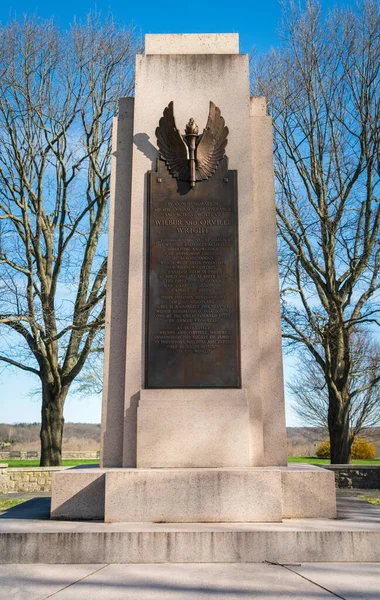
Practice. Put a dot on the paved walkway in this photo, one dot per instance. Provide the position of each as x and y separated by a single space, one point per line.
358 492
314 581
317 581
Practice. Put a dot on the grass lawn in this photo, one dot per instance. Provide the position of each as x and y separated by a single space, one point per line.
36 463
371 499
325 461
5 504
95 461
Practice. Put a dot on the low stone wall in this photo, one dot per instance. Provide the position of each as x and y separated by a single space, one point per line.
81 454
356 476
74 454
36 479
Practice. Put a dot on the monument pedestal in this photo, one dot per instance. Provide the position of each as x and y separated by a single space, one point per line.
229 495
193 420
193 294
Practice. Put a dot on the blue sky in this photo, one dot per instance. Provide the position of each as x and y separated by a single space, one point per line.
255 22
257 25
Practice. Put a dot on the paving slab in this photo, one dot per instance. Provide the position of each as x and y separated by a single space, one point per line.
158 582
351 582
37 582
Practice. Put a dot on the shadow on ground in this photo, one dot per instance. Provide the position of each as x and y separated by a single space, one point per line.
35 508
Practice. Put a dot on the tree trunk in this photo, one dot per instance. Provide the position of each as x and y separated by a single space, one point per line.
339 429
51 426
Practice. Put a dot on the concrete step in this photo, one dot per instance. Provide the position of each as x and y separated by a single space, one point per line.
28 536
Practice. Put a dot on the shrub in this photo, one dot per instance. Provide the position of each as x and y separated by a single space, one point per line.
361 449
323 449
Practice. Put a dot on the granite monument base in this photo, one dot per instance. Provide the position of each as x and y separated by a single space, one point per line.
209 495
190 428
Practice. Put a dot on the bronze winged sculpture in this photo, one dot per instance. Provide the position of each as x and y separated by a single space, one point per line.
192 157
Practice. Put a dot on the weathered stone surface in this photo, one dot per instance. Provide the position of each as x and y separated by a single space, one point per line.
187 428
189 495
267 307
308 492
192 495
113 425
78 494
192 43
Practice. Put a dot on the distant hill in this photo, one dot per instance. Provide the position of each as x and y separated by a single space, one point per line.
26 436
302 441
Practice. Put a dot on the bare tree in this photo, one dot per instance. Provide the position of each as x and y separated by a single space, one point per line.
310 394
323 88
58 94
90 379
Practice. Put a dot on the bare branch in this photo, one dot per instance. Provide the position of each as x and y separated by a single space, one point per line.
15 363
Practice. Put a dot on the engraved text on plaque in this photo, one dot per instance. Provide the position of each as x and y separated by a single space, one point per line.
192 309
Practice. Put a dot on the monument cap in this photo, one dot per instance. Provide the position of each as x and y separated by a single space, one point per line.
192 43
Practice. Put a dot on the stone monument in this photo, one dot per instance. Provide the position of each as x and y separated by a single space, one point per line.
193 422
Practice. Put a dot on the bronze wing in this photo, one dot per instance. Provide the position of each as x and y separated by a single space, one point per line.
212 145
172 147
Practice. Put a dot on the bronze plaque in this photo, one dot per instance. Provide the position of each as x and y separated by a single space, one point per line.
192 307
